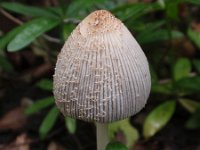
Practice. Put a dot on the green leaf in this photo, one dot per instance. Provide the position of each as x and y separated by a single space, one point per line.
9 36
190 105
194 36
48 122
129 131
70 124
132 11
189 84
81 8
38 105
182 68
30 32
135 10
116 146
56 10
5 64
196 2
28 10
165 89
158 35
194 121
196 63
154 78
45 84
158 118
67 29
129 13
172 9
151 26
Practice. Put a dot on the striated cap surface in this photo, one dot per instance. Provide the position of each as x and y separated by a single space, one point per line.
101 73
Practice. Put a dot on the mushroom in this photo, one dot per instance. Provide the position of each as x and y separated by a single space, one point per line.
101 74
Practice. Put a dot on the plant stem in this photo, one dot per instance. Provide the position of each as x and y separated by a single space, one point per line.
12 18
102 136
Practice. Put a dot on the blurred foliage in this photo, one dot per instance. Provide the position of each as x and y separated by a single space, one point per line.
48 121
168 31
116 146
194 121
70 124
129 132
158 118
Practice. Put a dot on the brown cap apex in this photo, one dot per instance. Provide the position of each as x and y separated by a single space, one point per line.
100 21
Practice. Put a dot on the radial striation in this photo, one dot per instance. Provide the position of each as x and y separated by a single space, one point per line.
101 73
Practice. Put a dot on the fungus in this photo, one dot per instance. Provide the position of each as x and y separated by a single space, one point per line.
101 74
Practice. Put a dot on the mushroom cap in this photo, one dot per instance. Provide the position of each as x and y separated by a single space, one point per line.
101 72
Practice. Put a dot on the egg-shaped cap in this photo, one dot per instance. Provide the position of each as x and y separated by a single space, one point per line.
101 73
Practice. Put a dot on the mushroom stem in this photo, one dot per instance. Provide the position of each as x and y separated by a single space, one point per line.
102 136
